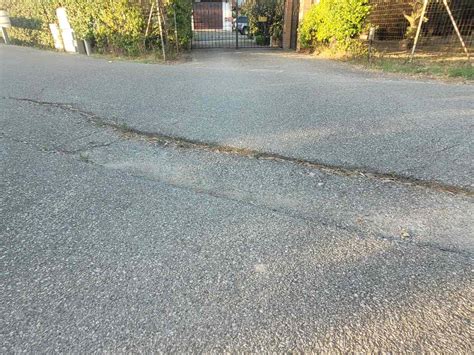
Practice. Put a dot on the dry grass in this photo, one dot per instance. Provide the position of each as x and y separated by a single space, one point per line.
152 57
423 64
434 61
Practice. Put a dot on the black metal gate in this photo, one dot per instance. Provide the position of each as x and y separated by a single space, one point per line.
225 24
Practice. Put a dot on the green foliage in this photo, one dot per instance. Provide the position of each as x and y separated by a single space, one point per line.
119 27
433 67
273 10
25 13
22 22
334 22
260 40
183 9
466 72
308 27
81 15
114 26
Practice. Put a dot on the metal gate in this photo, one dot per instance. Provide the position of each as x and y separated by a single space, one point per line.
225 24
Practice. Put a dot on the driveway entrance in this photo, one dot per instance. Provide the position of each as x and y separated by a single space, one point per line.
228 24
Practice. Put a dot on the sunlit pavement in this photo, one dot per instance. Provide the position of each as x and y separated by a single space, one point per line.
242 201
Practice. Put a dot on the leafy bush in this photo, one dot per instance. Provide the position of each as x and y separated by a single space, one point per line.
23 14
83 15
119 28
273 10
183 9
337 22
261 40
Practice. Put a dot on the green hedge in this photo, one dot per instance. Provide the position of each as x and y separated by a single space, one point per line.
114 26
335 22
25 12
273 10
183 9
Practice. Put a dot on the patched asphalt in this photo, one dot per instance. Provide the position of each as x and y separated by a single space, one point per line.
271 101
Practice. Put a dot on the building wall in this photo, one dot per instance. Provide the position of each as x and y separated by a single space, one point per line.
227 15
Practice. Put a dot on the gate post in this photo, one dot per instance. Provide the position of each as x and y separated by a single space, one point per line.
236 24
287 24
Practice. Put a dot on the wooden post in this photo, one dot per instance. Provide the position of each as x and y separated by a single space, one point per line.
5 35
418 30
163 50
149 19
456 29
175 29
371 37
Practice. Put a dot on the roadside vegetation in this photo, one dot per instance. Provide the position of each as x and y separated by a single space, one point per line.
338 29
335 26
269 31
442 68
118 27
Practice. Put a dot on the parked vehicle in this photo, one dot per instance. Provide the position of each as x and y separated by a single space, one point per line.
243 25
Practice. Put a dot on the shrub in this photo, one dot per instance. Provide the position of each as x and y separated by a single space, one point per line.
337 22
183 9
260 40
25 13
271 9
82 15
308 28
119 27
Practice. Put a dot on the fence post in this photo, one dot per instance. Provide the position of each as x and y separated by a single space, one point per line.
149 20
456 29
175 28
236 24
371 38
4 24
418 30
6 39
163 50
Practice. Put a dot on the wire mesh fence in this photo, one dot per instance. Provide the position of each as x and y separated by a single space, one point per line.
446 27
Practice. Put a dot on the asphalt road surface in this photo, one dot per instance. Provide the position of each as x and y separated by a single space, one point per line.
241 201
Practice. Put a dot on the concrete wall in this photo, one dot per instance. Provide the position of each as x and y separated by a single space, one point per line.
227 16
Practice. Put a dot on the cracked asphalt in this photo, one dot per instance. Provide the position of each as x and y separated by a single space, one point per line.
125 242
270 101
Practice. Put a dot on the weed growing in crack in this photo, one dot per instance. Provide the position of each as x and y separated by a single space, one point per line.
124 127
84 156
